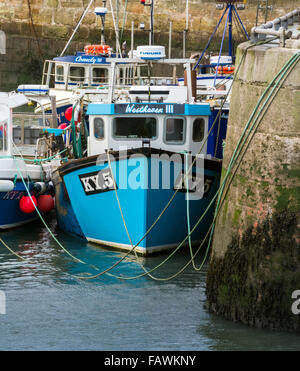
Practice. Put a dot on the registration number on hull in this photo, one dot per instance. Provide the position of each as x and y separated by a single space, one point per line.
97 182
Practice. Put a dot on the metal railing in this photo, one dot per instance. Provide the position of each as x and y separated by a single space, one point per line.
284 27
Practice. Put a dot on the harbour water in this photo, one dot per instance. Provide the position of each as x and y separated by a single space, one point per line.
47 308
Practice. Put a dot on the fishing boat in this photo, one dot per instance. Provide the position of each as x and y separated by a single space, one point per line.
87 68
139 146
23 180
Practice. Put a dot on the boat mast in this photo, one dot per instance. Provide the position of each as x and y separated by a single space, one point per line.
77 27
102 12
151 31
230 47
186 27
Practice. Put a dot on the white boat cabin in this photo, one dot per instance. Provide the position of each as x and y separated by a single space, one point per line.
171 127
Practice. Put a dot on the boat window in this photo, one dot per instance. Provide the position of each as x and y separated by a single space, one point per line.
28 136
59 73
134 127
100 75
76 74
99 128
198 129
3 137
175 130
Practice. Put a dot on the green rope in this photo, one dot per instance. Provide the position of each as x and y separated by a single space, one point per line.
280 76
211 203
291 63
36 160
9 249
42 219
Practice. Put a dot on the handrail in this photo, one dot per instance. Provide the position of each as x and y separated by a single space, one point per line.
278 27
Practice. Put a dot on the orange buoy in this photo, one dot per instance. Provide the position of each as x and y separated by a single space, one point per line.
45 203
225 70
96 49
26 204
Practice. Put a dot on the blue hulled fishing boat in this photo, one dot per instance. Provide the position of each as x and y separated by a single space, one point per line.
149 173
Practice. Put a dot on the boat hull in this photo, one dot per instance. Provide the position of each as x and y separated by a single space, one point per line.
11 215
65 216
121 217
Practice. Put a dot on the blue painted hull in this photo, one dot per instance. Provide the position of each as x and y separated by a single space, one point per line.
218 133
100 216
65 216
10 213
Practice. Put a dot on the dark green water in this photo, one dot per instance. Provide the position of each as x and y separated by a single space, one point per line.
48 309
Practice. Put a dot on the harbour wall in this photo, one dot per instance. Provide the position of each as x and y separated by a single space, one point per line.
39 29
255 262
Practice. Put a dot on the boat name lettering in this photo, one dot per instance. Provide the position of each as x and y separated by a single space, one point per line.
13 195
143 109
195 182
97 182
149 108
91 60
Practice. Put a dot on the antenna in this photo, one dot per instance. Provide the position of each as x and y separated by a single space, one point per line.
230 7
101 12
151 31
186 26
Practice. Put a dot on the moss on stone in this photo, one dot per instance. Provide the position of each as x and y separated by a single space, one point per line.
254 281
287 197
236 216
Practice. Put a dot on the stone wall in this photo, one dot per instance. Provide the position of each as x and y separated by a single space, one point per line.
255 263
39 29
55 18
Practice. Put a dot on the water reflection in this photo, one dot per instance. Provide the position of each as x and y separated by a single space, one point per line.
49 308
42 256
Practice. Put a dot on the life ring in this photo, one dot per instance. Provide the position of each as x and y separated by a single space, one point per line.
96 49
225 70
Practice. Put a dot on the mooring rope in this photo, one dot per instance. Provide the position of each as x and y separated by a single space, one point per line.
9 249
99 274
286 69
221 188
281 76
40 216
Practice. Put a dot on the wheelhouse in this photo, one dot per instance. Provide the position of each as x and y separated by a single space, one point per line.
171 127
68 73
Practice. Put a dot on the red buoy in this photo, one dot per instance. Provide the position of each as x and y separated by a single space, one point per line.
45 203
26 204
68 113
62 126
